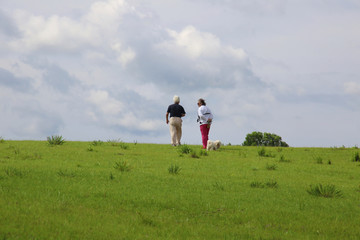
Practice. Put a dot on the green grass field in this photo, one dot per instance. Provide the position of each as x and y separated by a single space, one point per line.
115 190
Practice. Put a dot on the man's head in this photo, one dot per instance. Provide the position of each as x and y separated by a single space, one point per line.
176 99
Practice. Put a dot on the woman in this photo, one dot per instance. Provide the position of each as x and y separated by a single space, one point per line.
205 118
176 112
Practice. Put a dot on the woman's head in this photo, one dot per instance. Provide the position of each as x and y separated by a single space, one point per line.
176 99
201 102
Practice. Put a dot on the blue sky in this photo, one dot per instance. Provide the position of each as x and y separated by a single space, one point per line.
108 69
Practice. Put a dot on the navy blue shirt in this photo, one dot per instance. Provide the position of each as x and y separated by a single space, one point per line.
176 110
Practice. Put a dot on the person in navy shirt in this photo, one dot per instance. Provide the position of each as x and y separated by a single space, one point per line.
176 112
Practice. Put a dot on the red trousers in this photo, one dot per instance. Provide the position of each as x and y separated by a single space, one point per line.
204 129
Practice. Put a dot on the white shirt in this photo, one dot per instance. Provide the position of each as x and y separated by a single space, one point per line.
204 114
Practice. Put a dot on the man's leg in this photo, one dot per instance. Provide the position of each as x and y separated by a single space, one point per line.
179 132
172 126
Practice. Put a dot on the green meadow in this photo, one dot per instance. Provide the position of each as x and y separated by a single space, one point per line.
117 190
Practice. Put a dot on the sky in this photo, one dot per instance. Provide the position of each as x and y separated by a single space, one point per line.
108 69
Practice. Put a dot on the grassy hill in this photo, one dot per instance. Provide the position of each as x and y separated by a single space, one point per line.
116 190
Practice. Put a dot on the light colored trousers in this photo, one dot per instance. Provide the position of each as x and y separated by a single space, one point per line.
175 124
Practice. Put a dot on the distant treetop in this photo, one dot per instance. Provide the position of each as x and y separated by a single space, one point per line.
264 139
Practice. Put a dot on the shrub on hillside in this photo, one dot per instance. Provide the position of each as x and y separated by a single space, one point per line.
97 142
262 153
122 166
356 157
264 139
56 140
327 191
184 149
174 169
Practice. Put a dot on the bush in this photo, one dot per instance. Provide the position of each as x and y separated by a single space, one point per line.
319 160
11 171
123 145
194 155
62 173
56 140
218 186
174 169
90 148
114 142
184 149
122 166
257 184
326 191
262 153
283 159
356 157
112 177
97 142
271 184
264 139
203 153
271 166
268 184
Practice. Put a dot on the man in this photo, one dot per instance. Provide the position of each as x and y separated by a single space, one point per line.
176 112
205 118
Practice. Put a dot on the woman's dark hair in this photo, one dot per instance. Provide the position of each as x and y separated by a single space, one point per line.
202 101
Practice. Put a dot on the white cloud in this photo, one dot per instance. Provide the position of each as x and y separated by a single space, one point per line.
253 7
352 88
124 56
118 114
148 91
61 33
105 14
25 117
106 104
131 121
57 33
197 44
194 59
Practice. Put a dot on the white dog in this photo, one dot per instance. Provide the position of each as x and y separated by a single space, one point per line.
213 145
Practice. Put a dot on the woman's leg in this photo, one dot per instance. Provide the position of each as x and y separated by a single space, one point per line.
204 134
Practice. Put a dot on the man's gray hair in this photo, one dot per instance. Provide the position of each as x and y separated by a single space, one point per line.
176 99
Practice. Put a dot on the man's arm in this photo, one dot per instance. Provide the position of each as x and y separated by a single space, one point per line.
167 117
182 111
